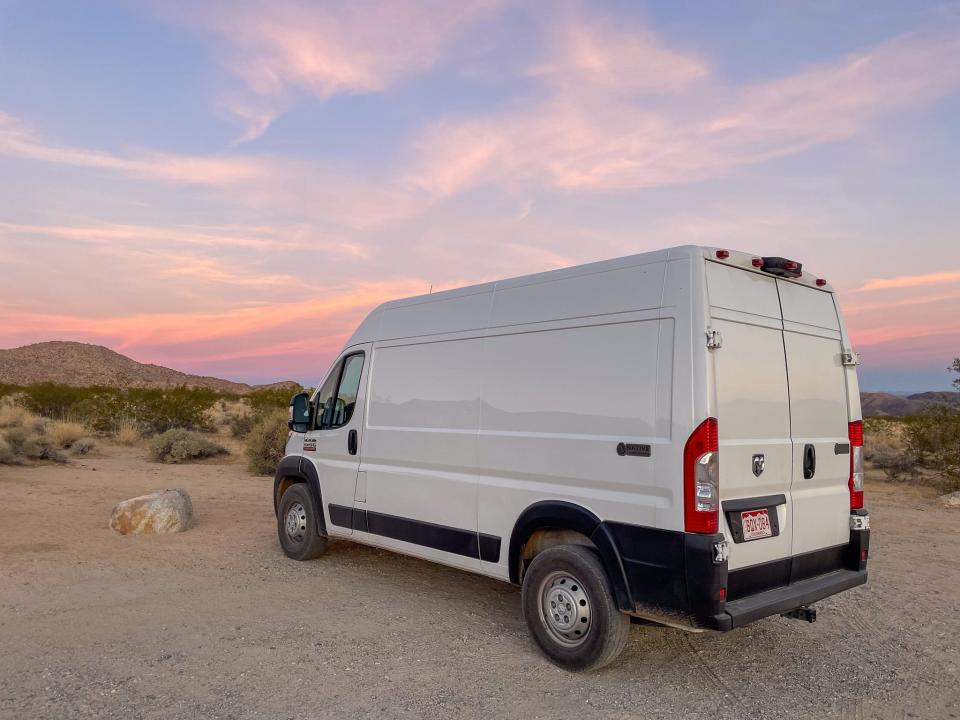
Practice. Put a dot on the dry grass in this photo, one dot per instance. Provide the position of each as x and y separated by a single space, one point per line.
64 433
13 415
128 433
226 415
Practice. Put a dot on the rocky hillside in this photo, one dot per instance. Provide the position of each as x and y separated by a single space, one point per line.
73 363
878 404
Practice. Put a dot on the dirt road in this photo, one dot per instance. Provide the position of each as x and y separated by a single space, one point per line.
217 623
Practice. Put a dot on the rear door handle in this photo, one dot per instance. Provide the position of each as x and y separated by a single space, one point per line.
352 442
809 461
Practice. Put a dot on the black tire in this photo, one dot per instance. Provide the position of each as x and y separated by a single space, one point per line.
299 541
575 574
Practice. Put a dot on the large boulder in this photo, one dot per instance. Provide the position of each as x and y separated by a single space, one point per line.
951 500
166 511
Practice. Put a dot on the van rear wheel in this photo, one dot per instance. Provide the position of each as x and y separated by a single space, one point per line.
297 525
570 610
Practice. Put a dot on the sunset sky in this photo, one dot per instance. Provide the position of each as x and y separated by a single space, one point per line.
226 188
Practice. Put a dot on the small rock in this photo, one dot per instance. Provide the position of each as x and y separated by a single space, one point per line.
166 511
951 500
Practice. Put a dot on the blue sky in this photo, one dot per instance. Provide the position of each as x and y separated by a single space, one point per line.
227 188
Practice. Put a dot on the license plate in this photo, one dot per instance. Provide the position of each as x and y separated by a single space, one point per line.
755 524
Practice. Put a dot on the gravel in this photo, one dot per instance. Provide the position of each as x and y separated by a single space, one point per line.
217 623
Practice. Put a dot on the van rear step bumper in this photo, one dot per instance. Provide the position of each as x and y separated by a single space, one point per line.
783 599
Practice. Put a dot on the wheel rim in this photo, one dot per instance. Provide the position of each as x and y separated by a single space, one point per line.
565 608
296 522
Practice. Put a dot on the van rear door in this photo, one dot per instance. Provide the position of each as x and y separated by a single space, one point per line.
819 416
753 412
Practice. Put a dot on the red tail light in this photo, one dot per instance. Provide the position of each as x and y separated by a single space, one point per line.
856 465
701 479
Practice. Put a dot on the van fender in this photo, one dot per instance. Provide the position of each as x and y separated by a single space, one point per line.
561 515
295 468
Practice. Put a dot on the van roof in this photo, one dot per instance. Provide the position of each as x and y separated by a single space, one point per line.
732 257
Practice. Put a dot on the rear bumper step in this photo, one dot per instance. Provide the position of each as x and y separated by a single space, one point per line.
783 599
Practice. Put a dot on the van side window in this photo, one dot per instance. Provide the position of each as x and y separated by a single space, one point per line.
338 396
347 394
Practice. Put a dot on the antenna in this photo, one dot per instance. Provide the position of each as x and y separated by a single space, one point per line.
431 289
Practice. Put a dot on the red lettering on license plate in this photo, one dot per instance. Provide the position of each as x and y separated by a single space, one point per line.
755 524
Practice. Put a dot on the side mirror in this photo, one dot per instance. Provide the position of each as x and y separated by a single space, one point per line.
299 420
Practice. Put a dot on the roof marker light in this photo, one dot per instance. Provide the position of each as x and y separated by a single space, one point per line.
821 282
757 262
723 254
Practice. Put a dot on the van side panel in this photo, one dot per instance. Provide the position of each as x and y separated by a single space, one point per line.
557 403
419 451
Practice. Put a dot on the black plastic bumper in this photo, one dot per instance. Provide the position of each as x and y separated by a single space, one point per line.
673 577
740 612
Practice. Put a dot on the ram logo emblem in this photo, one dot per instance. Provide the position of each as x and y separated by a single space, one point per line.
759 462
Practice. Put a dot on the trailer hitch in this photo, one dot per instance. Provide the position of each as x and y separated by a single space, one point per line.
801 613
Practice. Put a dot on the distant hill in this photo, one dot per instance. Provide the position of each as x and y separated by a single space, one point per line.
73 363
878 404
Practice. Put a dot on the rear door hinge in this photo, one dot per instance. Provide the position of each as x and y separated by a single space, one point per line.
850 359
714 339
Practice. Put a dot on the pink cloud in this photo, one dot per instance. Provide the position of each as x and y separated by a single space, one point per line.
281 47
585 52
596 128
910 281
18 141
335 312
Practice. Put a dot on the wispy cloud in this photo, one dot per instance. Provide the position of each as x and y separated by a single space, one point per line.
336 308
17 140
597 126
911 281
279 48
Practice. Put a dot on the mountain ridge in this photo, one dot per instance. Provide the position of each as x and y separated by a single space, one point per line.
85 364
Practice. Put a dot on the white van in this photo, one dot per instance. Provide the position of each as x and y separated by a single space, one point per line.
674 436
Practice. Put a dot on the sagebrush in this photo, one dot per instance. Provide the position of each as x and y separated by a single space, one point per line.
23 436
180 446
266 442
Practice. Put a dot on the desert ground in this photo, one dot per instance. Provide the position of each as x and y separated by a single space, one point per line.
217 623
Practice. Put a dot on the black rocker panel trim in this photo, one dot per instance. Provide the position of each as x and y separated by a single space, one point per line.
303 471
439 537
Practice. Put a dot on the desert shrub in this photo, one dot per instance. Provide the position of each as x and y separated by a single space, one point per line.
230 416
179 445
127 432
64 433
241 425
155 410
7 456
158 410
933 441
266 442
14 415
82 446
26 443
266 399
6 389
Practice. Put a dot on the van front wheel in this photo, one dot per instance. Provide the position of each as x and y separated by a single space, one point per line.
297 525
570 610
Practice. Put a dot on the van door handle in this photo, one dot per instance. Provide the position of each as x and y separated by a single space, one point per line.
352 442
809 461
